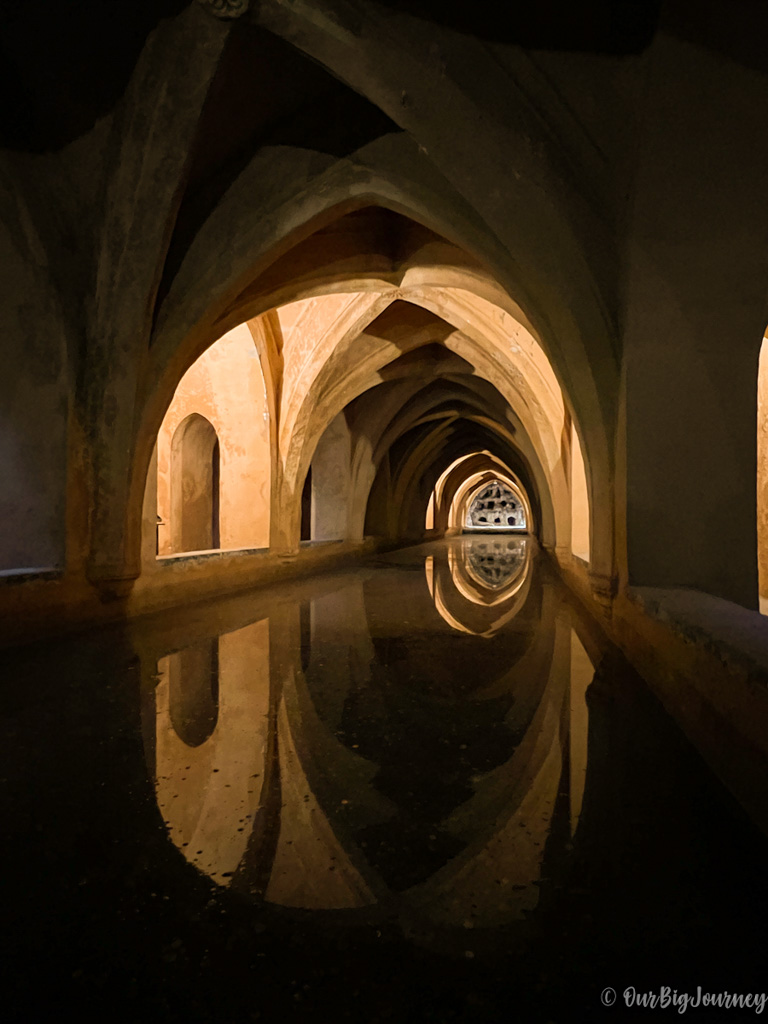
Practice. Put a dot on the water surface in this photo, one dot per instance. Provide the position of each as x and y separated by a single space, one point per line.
423 788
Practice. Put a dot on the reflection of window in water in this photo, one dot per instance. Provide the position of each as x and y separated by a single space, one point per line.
494 563
496 507
193 677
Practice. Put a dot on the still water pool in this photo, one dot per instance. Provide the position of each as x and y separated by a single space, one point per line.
424 788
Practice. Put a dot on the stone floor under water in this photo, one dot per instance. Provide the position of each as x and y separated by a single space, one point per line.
424 788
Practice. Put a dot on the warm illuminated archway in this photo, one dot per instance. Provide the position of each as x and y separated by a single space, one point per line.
475 485
373 384
465 478
226 389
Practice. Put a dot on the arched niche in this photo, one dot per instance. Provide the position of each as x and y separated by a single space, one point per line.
306 507
195 473
226 388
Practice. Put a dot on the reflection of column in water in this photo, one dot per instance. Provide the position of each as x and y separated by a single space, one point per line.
287 626
341 650
311 868
326 788
506 823
429 569
582 673
208 794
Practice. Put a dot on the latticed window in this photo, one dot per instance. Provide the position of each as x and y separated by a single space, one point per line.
496 507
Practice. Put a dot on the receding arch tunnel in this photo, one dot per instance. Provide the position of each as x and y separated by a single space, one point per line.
423 356
377 380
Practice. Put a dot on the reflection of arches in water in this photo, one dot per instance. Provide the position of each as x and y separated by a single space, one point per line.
211 797
496 507
317 864
210 792
482 584
471 584
517 812
503 827
193 679
494 564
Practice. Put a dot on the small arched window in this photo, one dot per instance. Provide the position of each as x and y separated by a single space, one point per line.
306 507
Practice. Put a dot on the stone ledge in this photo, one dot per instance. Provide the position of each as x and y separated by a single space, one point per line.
55 604
9 577
735 636
706 659
205 556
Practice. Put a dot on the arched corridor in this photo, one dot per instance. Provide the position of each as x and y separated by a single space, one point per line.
384 520
375 396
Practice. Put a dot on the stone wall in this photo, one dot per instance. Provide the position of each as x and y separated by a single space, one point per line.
226 387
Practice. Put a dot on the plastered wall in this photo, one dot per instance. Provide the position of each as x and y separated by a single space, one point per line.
226 386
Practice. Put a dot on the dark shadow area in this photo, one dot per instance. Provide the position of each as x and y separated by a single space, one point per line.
738 36
265 93
306 507
594 26
64 65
